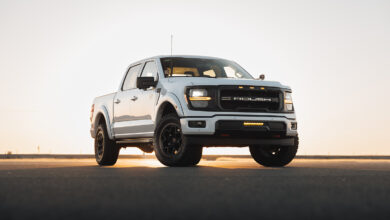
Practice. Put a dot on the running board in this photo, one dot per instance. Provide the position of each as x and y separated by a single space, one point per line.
135 141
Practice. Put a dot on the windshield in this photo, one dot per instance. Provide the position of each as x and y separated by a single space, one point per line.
197 67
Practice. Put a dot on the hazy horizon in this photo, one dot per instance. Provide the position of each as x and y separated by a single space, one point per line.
56 56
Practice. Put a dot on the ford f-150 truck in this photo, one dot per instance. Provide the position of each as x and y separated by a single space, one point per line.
176 105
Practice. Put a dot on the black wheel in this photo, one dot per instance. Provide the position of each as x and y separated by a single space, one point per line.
106 151
171 146
274 156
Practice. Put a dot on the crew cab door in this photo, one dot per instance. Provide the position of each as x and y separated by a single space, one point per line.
123 101
144 107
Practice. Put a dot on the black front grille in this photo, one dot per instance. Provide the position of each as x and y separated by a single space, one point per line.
250 99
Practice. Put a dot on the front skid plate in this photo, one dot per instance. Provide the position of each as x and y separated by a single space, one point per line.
206 140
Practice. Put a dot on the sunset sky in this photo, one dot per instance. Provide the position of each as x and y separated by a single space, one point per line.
56 56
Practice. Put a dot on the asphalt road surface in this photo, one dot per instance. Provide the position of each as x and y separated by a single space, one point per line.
226 188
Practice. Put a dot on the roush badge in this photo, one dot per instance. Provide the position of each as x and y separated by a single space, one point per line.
248 99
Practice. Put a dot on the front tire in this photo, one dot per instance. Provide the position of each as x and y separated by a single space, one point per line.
274 156
106 151
171 146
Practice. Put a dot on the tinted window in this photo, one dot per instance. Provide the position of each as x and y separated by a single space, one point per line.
131 78
150 70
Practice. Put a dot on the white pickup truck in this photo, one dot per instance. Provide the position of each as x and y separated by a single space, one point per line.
176 105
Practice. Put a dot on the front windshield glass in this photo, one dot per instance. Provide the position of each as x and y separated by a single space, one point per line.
198 67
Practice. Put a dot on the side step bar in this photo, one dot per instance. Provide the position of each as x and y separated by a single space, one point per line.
144 144
135 142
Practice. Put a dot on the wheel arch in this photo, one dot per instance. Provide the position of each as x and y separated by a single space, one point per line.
164 109
103 116
169 104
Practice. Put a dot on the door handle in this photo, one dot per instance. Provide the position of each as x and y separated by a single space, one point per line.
134 98
117 101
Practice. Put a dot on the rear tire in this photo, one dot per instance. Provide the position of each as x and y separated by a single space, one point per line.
171 146
274 156
106 151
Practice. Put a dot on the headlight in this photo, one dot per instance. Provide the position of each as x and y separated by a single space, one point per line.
288 103
199 98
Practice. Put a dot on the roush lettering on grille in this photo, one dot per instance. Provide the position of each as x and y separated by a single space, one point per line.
248 99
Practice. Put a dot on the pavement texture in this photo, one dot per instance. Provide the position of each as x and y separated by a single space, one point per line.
222 188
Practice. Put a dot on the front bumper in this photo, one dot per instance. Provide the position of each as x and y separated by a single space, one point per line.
225 130
210 127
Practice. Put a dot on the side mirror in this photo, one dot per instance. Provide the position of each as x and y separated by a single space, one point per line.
145 82
262 77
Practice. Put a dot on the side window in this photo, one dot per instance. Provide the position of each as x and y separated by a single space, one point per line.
131 77
150 70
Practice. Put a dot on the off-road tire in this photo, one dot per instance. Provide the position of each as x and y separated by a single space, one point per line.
185 155
106 151
271 156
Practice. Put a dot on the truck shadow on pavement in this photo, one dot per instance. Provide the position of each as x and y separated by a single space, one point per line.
203 192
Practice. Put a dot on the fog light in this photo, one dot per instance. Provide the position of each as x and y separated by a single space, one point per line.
294 126
197 124
289 107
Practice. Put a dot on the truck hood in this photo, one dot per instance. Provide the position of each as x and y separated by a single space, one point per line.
189 81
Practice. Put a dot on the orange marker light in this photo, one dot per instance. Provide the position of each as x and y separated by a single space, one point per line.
92 110
200 98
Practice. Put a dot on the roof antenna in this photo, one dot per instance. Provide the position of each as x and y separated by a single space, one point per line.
171 43
171 73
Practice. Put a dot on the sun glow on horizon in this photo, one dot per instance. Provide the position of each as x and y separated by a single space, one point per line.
56 58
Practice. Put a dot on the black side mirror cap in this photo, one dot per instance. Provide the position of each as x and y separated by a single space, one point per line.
145 82
262 77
